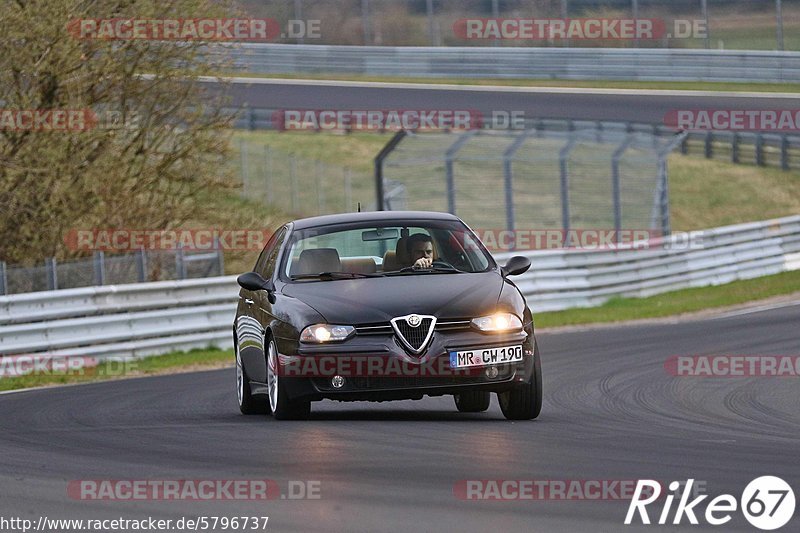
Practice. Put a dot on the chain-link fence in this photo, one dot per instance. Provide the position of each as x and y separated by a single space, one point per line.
301 186
730 24
108 269
542 179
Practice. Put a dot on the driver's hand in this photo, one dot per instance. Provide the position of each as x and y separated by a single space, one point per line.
423 262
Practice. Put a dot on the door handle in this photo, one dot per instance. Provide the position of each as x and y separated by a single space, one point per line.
248 301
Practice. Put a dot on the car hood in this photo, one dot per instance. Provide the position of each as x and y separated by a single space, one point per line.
361 301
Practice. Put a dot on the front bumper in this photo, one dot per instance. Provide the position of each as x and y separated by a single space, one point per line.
378 368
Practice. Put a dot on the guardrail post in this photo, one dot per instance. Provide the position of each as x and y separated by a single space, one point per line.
251 118
685 145
709 145
320 192
784 152
141 265
735 148
3 279
99 268
52 274
760 149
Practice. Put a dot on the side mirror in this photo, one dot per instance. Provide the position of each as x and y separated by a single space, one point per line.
252 281
516 266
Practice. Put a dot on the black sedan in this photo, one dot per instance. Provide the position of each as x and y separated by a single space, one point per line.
383 306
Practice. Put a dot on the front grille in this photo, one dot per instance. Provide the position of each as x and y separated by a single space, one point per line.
414 336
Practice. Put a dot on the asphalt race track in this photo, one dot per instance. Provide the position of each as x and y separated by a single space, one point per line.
583 104
611 412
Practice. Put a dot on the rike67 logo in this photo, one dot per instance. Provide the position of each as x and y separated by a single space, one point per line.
767 503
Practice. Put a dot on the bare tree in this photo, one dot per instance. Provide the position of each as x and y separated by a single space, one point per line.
151 146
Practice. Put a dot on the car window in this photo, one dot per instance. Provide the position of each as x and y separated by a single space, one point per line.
382 248
268 248
268 267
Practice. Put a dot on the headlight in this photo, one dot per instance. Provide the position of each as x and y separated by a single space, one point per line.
498 322
319 333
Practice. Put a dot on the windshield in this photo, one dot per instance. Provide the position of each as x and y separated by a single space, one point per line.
418 248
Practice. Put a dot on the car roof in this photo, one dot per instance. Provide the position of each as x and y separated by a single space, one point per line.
370 216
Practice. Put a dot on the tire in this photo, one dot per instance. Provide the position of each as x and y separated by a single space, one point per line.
472 401
281 406
248 404
524 402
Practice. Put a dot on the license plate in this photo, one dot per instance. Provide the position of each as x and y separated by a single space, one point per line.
485 357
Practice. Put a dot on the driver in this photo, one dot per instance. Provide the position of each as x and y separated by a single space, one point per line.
420 250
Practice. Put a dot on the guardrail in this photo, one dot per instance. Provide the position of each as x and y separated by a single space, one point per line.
521 62
150 318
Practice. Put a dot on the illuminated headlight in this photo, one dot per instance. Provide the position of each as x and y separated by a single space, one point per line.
498 322
326 333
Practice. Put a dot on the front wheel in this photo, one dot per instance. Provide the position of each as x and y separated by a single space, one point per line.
282 407
248 404
524 402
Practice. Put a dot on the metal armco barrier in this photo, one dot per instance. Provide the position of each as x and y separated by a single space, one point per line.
521 62
150 318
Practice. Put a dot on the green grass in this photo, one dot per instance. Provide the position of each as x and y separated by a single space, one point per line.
673 303
581 84
198 359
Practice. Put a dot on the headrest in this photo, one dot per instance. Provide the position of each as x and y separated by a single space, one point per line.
319 260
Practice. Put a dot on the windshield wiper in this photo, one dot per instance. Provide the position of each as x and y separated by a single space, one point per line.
431 270
328 276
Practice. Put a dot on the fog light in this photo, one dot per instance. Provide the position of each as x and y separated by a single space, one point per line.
337 382
492 372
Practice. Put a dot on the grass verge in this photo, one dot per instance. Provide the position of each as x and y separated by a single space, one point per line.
162 364
577 84
675 302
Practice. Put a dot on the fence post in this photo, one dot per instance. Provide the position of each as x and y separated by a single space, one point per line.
508 176
704 9
3 279
709 145
298 15
617 194
564 171
635 12
141 265
52 274
220 257
365 25
293 182
382 155
180 266
320 189
759 149
348 191
495 15
99 268
268 172
735 148
784 152
431 32
448 165
244 170
779 24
